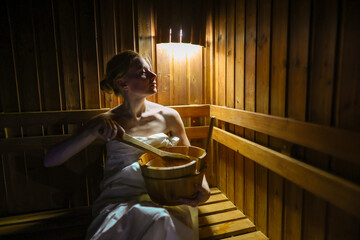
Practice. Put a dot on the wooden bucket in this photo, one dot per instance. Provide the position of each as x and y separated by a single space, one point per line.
168 191
153 166
166 185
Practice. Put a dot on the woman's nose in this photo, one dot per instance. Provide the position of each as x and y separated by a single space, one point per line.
151 74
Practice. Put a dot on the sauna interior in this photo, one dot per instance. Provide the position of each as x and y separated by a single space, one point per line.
282 78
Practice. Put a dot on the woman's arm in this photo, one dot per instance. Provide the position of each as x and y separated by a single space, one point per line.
178 129
99 127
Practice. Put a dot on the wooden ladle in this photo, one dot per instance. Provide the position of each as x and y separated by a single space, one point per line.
166 156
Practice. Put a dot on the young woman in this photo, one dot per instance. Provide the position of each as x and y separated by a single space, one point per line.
124 210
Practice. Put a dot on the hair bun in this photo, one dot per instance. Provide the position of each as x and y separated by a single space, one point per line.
106 86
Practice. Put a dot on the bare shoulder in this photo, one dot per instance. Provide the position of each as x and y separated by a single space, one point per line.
167 112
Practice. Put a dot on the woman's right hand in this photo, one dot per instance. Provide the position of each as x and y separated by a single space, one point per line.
100 127
106 128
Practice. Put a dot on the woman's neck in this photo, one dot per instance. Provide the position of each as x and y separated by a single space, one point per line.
134 107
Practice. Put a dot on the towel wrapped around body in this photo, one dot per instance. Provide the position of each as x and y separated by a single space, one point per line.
124 210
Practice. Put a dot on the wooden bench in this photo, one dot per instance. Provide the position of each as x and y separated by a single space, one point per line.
218 218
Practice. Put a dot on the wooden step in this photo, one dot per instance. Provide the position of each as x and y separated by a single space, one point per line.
249 236
216 208
46 223
216 198
226 229
219 218
214 190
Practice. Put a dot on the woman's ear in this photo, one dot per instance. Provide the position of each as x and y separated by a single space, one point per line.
121 84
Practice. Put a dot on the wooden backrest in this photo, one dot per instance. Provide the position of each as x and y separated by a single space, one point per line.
335 142
27 186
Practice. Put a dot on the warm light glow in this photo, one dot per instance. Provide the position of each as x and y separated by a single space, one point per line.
181 50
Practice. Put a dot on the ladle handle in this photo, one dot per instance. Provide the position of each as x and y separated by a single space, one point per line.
148 148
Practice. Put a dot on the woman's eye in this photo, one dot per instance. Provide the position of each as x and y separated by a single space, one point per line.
143 73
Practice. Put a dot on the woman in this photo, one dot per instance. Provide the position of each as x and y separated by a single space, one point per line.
123 209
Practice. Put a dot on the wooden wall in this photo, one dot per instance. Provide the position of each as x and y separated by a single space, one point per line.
293 59
54 54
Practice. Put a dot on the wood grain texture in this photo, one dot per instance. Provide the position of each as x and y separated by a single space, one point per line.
262 106
326 139
250 80
334 189
239 96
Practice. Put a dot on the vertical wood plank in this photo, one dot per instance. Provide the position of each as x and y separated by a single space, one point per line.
216 84
145 37
208 94
43 20
340 224
250 76
8 82
9 98
57 176
68 43
222 54
321 83
230 93
163 16
179 82
91 96
221 88
107 44
124 24
277 107
26 75
262 106
239 96
346 114
209 55
195 60
194 68
296 107
66 25
164 57
88 55
23 44
3 191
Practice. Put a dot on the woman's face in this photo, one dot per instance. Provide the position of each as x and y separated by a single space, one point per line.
139 79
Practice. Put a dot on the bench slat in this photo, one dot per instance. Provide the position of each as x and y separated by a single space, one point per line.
30 217
216 208
249 236
214 190
220 217
216 198
226 229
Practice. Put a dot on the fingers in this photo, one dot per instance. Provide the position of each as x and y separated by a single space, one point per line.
120 129
110 129
202 195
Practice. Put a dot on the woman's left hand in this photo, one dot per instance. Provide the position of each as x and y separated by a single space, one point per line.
202 195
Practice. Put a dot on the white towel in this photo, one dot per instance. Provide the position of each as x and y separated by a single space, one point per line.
125 211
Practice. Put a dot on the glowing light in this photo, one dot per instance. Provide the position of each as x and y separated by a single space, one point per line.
180 50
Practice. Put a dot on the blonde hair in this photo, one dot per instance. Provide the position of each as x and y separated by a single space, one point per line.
116 68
